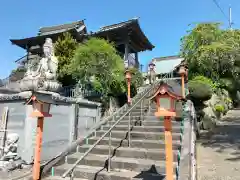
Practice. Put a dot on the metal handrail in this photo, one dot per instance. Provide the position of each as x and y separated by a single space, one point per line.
75 144
70 170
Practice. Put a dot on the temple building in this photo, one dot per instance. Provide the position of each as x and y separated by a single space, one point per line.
127 36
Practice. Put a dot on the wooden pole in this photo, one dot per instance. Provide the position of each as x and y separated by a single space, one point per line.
38 147
129 90
168 147
183 85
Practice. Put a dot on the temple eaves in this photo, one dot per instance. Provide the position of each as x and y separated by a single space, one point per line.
136 37
117 33
77 29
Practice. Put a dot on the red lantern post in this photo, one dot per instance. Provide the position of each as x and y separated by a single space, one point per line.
40 110
166 107
128 77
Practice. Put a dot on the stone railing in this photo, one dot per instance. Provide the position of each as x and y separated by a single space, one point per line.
75 91
187 153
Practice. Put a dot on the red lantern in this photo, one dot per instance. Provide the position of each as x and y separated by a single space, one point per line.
165 101
40 109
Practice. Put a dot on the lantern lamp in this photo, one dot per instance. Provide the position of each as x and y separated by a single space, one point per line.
183 72
151 66
128 74
165 101
40 109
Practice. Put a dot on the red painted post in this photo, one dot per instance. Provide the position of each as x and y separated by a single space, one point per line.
38 147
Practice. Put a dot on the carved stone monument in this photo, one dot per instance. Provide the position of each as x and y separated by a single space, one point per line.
44 77
10 159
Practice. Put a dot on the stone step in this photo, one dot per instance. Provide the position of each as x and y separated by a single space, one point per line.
98 173
151 144
139 135
147 122
130 164
134 113
142 128
146 116
153 117
127 152
59 177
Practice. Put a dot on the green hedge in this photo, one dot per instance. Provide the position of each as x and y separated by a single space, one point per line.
200 88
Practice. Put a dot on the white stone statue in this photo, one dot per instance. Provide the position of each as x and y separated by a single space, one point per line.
47 67
10 149
44 78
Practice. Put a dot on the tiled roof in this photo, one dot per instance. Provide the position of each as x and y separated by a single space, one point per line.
118 25
61 28
77 28
134 32
166 65
166 58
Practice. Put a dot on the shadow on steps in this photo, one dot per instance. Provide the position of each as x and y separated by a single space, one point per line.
151 174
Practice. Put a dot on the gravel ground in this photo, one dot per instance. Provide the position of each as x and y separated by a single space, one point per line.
218 153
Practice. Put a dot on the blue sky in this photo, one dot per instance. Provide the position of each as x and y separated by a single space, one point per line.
164 22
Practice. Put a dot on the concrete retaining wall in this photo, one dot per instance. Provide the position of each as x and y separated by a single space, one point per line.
57 129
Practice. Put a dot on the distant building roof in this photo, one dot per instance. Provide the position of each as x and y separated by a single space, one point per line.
166 64
78 25
77 29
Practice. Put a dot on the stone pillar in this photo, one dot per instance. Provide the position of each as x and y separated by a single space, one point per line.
30 133
98 114
73 117
126 51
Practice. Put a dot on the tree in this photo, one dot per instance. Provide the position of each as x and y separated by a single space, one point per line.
64 49
212 52
97 61
17 74
136 81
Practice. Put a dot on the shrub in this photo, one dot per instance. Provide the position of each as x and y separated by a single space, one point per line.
228 100
199 91
205 80
219 108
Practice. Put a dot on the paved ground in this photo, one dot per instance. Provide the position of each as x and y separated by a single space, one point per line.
219 152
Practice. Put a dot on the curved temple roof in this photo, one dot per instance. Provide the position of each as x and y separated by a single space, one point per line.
76 28
137 38
128 30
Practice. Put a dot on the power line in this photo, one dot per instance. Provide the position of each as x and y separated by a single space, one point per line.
229 18
219 7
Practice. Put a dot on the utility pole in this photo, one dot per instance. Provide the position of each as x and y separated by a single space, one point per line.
141 67
230 18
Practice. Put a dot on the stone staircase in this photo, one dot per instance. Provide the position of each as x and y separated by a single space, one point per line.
143 159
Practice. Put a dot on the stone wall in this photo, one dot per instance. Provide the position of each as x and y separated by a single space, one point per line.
210 116
56 131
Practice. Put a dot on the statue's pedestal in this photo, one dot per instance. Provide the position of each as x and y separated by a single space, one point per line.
39 84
